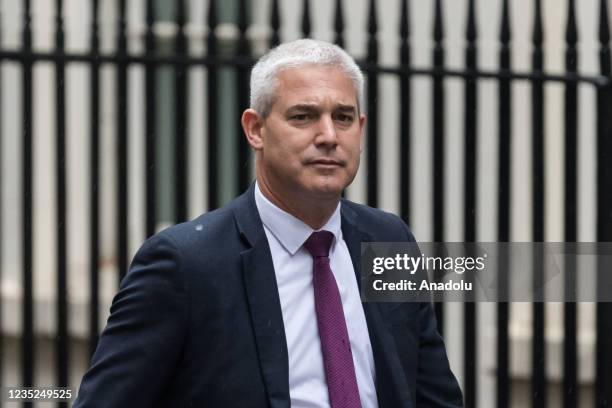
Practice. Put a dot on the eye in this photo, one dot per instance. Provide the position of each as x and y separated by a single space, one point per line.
301 117
344 118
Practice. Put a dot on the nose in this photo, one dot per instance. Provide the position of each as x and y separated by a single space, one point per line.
326 132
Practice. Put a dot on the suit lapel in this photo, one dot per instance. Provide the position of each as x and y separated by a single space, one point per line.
264 302
392 388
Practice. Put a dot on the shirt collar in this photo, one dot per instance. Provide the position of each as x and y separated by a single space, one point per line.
290 231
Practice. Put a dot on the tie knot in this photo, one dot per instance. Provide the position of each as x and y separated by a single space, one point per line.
318 243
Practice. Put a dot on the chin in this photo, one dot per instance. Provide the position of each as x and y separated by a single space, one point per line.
327 189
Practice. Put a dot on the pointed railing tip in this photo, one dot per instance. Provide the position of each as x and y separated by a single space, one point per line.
94 14
181 37
373 19
604 26
404 27
180 13
27 9
472 29
275 16
122 13
438 31
122 28
59 25
404 31
243 23
339 24
571 30
95 37
212 15
538 32
505 32
275 24
59 12
306 25
339 17
150 16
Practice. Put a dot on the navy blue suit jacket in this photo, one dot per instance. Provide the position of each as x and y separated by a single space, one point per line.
197 322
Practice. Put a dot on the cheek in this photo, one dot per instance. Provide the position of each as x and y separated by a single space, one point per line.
282 155
352 145
353 151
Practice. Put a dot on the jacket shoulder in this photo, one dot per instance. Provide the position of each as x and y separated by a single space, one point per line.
216 223
382 225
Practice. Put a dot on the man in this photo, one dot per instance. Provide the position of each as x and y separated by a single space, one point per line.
257 304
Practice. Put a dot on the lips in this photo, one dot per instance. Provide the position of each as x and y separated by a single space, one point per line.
325 162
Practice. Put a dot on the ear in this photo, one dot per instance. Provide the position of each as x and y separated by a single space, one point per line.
362 121
252 124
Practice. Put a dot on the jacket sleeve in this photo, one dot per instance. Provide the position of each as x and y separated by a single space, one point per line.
141 345
436 385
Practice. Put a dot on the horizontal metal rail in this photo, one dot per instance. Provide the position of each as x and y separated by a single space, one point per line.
241 61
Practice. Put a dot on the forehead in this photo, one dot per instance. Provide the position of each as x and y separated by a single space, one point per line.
314 84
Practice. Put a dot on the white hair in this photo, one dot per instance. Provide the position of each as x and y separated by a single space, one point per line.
295 54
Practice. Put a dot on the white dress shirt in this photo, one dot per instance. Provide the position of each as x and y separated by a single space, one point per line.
293 268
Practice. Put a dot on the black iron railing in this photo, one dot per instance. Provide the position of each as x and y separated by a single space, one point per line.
182 62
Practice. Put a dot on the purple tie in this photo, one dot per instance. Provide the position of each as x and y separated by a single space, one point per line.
335 344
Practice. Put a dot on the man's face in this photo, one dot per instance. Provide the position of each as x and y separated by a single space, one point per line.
311 140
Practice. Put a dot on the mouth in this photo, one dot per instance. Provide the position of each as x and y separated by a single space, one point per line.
325 163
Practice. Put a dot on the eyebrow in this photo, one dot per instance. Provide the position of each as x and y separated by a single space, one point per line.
315 108
347 108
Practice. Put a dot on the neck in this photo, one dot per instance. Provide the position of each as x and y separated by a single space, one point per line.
313 211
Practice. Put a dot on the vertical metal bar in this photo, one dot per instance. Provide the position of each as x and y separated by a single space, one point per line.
94 184
339 25
603 391
570 363
604 40
180 83
60 170
538 351
471 109
242 96
275 24
339 35
405 112
27 350
211 91
122 146
306 27
372 122
505 95
438 140
1 213
151 136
